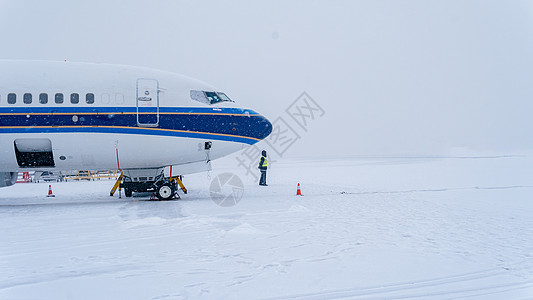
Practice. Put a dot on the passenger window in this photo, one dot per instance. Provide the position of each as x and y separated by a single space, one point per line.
43 98
106 98
59 98
89 98
26 98
119 99
11 98
74 98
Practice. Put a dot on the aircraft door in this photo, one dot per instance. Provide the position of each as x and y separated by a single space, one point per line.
147 102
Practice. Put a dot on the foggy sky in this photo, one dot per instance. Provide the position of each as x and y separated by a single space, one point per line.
393 77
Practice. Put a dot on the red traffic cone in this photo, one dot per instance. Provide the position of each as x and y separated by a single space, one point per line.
50 194
298 191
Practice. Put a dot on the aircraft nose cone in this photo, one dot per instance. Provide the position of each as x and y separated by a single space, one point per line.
263 127
252 126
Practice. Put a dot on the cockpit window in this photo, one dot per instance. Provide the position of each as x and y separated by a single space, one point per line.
212 97
224 97
209 97
199 96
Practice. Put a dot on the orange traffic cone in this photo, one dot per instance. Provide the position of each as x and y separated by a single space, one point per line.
50 194
298 191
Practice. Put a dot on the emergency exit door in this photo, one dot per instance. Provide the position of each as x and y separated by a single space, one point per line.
147 102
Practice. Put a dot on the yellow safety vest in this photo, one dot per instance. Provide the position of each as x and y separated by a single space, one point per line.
264 161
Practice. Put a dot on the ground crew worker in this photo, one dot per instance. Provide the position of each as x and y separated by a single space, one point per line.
263 168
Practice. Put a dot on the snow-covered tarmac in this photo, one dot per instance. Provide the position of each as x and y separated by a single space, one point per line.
366 228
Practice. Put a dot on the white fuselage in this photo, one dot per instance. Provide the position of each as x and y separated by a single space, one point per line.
79 116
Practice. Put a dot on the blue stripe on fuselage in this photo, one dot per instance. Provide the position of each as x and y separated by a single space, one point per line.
228 124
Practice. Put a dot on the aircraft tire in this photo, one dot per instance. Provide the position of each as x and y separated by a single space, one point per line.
128 192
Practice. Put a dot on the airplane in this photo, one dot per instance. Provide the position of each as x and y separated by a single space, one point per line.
59 116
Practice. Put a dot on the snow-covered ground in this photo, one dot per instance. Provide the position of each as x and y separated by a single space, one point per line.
368 228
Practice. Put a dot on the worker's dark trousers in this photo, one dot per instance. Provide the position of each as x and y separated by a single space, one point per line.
263 180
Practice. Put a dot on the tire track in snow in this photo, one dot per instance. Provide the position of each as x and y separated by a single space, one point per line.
436 190
448 287
49 277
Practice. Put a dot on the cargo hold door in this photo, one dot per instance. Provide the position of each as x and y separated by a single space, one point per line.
147 102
